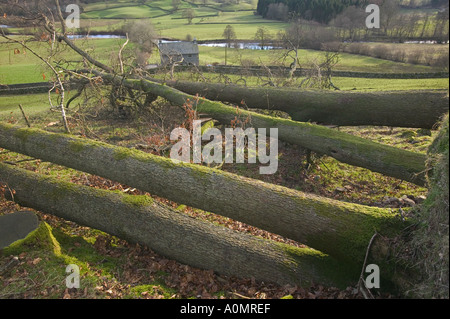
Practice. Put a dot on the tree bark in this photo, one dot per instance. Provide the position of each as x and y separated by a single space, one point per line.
341 230
346 148
174 235
419 109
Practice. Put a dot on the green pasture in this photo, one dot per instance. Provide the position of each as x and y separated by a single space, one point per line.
208 24
347 62
24 67
36 107
124 12
343 83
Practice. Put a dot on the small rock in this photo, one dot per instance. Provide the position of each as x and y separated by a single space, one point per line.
391 201
407 201
420 199
340 189
16 226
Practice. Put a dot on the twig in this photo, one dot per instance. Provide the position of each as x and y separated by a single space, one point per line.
12 263
240 296
120 54
21 161
364 265
24 115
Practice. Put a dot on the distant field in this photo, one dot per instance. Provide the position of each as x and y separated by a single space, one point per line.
124 12
348 62
416 53
359 84
25 68
208 24
211 25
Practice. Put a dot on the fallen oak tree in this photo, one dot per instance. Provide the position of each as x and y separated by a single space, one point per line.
341 230
417 109
346 148
174 235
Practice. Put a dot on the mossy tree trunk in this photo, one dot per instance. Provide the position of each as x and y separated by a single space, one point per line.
384 159
420 109
430 241
339 229
174 235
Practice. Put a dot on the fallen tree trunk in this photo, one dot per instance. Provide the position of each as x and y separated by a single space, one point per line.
341 230
346 148
174 235
419 109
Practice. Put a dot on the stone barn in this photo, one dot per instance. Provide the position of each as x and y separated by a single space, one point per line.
182 52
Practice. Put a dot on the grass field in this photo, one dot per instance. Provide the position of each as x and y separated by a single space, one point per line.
208 24
26 68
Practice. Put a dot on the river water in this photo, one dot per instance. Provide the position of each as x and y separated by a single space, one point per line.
239 45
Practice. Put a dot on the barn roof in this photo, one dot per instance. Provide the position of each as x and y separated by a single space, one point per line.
169 48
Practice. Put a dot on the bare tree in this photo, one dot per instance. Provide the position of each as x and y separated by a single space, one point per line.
142 33
31 12
263 36
389 11
189 15
176 4
320 71
350 22
50 20
292 38
441 30
229 35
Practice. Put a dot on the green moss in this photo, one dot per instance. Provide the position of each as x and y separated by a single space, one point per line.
440 144
137 200
408 134
77 146
312 261
430 240
122 153
157 288
24 133
424 132
62 190
41 237
353 224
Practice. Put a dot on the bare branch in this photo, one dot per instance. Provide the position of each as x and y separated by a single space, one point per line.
120 54
57 74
